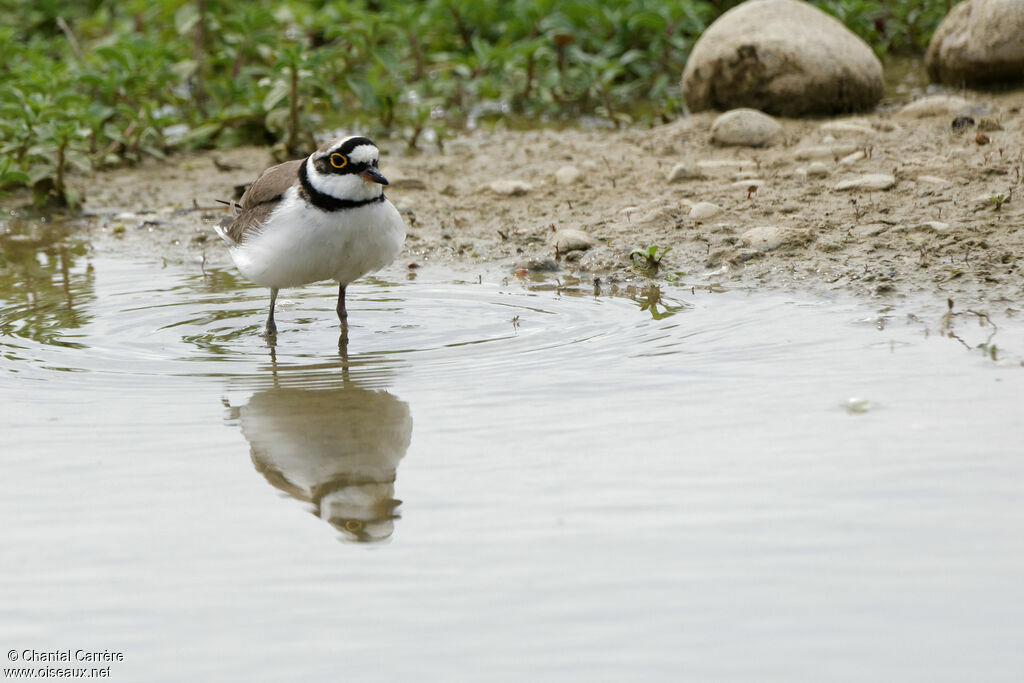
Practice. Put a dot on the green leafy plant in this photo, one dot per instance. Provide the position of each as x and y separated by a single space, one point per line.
648 260
999 199
107 82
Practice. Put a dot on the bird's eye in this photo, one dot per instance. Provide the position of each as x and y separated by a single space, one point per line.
339 160
354 525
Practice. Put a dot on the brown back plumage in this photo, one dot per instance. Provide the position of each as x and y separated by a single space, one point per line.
260 200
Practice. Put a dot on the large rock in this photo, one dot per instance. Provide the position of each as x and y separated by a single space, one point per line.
979 41
783 57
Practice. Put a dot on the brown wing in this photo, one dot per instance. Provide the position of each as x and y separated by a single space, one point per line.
260 200
272 183
234 230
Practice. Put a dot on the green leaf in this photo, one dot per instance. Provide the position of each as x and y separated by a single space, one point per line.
184 69
200 134
278 92
39 172
15 177
79 161
365 92
186 18
277 121
72 197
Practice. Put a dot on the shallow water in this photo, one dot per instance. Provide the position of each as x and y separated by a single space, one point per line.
669 485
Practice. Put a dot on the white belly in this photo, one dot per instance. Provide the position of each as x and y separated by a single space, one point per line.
300 244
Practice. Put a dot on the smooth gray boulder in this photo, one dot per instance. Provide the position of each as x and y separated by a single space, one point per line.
784 57
979 41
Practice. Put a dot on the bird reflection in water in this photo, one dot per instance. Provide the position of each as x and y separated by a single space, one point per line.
336 447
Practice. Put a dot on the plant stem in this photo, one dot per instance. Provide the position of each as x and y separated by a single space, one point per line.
72 41
199 54
293 114
529 78
59 180
417 55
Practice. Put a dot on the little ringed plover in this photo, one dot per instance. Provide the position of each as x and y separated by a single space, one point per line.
324 217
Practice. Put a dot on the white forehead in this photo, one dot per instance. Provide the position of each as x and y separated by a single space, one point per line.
363 154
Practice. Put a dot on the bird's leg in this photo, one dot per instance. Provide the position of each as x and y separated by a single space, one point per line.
343 350
271 328
342 313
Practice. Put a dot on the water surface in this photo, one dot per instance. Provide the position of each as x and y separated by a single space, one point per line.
493 480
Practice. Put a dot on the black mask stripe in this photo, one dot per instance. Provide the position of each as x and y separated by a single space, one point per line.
325 201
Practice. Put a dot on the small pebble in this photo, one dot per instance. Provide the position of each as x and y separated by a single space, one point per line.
704 210
857 406
870 181
746 128
961 122
852 127
989 125
684 170
571 240
935 105
853 158
767 237
539 265
817 169
513 188
869 230
567 175
658 216
824 152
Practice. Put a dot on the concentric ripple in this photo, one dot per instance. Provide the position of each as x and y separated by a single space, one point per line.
115 318
105 321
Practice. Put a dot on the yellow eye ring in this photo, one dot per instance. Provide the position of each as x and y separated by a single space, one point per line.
339 160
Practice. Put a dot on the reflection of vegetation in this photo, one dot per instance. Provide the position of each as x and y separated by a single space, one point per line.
98 82
40 297
651 300
987 347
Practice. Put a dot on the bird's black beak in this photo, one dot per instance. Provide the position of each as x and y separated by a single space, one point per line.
372 175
